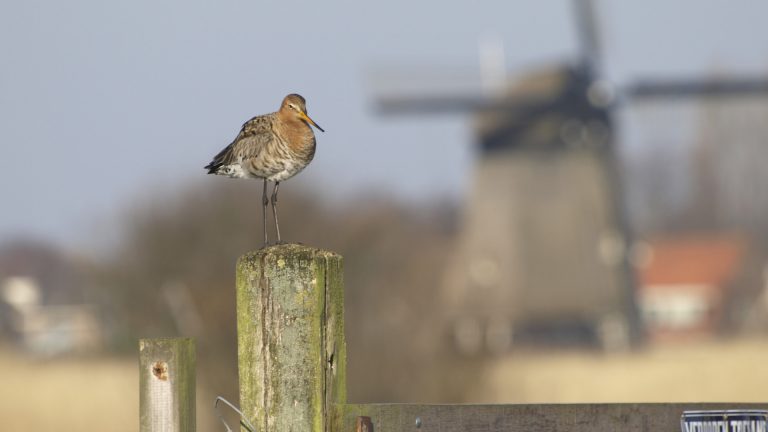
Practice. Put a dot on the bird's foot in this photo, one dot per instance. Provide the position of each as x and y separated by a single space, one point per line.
269 244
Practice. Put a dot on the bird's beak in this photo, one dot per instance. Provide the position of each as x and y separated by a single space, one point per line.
312 122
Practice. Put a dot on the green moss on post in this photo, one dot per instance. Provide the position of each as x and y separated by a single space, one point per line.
291 349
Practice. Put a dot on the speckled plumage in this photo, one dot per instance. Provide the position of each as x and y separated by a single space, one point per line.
273 147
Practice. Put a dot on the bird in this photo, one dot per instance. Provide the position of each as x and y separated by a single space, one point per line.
273 147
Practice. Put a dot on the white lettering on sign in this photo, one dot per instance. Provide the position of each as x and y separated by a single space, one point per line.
707 426
725 426
747 425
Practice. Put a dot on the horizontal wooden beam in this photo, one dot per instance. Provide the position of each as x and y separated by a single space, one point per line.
528 417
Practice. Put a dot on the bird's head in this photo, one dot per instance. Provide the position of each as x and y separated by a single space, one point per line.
295 107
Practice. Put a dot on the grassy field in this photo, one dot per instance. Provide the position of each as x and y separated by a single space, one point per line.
102 394
74 395
714 371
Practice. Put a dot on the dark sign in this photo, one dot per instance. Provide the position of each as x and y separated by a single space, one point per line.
724 421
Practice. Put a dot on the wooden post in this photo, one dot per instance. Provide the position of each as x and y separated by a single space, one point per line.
291 349
167 385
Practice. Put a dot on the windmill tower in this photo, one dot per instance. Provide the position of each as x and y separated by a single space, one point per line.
544 248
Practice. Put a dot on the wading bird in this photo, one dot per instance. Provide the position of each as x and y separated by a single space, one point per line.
273 147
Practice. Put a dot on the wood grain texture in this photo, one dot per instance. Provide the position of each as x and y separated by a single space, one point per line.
167 385
291 349
523 417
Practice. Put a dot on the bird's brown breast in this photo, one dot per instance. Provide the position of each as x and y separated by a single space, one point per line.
299 138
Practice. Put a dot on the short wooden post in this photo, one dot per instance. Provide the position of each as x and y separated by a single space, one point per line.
291 349
167 385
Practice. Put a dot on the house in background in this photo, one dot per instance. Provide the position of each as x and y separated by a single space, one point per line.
44 306
685 282
46 330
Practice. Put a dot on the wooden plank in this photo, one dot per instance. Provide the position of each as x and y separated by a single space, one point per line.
167 385
540 417
291 349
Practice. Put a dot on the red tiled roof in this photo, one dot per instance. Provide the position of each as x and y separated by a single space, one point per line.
710 259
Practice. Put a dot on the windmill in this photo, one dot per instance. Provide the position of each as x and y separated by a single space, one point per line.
545 246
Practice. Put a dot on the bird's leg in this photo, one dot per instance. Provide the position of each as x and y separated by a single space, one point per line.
274 210
264 202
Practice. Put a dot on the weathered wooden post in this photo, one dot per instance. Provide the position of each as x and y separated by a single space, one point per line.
167 385
291 347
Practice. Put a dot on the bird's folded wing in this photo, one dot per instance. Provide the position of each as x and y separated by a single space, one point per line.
254 136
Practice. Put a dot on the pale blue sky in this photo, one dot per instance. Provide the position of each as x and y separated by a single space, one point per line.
101 102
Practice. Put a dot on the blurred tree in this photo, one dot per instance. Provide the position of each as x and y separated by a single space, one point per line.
184 245
55 272
717 182
730 167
